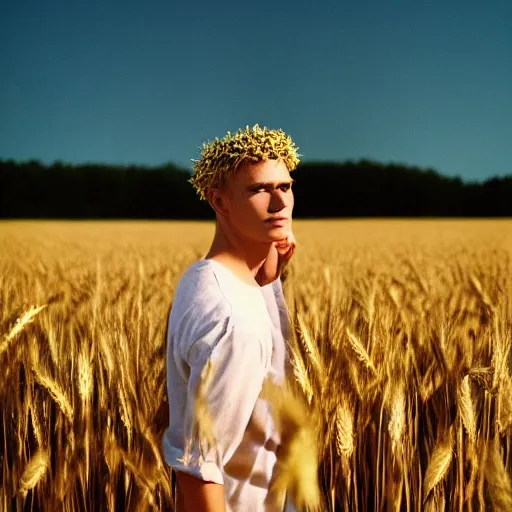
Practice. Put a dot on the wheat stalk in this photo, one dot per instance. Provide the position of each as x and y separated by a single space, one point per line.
204 423
124 407
297 455
85 377
20 324
466 409
301 374
344 429
504 420
396 425
498 479
56 392
34 471
36 426
311 347
439 463
360 351
143 477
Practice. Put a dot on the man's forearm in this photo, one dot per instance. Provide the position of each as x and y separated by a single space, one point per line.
195 495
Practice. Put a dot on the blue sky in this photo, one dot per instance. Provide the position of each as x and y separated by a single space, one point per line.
416 82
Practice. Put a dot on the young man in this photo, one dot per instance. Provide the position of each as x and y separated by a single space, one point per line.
229 310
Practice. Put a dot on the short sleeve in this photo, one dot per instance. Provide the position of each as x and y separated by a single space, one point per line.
239 365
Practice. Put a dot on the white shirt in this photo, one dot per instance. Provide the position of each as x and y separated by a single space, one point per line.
242 329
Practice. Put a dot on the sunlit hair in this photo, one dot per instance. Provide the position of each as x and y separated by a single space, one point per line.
222 157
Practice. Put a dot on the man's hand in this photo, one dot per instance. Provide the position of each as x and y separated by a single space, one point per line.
278 257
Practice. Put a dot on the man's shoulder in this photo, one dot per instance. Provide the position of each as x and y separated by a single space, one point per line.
199 310
206 294
198 274
198 289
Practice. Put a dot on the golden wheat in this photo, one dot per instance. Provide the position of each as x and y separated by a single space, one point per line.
34 472
56 392
21 322
439 463
401 346
466 410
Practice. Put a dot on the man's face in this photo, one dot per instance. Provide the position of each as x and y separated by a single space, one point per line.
256 193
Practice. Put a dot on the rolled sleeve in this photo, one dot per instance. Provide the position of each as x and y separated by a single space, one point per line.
239 365
207 470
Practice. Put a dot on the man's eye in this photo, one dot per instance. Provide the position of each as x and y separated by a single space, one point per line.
284 188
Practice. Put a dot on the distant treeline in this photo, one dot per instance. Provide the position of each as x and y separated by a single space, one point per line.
349 189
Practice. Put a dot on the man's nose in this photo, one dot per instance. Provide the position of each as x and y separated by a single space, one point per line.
278 201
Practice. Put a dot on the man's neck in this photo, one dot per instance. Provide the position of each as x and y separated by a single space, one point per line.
243 257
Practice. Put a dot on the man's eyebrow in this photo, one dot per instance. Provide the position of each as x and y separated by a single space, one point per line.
267 184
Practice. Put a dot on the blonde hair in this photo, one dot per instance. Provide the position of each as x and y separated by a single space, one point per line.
222 158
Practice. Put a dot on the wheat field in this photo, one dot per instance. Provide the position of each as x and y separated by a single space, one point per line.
402 332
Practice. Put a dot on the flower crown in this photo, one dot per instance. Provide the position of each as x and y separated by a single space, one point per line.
222 158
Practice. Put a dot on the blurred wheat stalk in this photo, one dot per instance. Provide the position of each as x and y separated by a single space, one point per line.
401 348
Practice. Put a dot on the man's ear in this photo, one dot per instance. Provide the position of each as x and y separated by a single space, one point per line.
217 201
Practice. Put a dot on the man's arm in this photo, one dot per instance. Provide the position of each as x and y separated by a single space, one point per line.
194 495
239 362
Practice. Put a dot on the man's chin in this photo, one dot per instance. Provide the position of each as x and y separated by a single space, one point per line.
279 232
